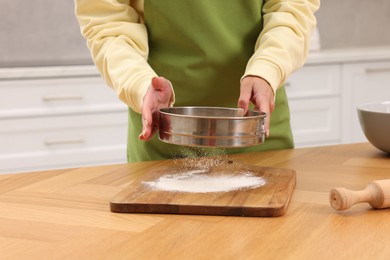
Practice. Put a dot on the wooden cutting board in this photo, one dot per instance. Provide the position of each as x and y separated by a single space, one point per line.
269 200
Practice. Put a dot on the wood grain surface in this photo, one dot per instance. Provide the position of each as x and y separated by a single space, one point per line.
269 200
65 214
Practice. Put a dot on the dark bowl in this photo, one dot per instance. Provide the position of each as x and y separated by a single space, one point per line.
374 120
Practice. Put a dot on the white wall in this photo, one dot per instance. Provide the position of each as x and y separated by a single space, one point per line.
45 32
40 32
356 23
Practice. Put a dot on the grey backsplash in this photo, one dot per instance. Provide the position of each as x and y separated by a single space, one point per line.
40 33
45 32
354 23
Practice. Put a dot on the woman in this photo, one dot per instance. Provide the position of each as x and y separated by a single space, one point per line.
224 53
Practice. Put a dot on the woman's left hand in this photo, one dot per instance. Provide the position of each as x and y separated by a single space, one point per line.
257 90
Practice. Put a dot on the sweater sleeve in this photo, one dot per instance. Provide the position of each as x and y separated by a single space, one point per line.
117 39
283 44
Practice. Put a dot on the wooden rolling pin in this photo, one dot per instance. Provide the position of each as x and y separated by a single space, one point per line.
377 194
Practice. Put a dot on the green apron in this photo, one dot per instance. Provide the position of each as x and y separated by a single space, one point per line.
203 47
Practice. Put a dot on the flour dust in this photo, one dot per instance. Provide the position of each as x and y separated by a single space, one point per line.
196 174
198 181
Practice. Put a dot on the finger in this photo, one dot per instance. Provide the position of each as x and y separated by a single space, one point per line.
244 99
147 123
267 124
240 112
147 130
271 106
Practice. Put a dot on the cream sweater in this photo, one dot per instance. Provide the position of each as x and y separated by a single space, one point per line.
118 41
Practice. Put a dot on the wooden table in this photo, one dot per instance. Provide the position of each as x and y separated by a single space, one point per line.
64 214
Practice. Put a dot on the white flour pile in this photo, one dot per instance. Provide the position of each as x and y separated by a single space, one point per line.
197 181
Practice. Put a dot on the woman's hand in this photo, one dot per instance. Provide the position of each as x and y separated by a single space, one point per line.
259 92
158 95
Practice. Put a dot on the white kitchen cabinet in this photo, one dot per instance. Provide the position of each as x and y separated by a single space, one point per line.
325 93
314 81
316 121
314 99
59 117
362 83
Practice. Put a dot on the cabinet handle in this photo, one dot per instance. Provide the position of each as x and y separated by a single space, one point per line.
59 141
377 70
287 84
49 98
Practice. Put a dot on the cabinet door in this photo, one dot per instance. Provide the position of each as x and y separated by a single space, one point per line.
56 95
314 81
59 117
39 143
315 121
362 83
314 98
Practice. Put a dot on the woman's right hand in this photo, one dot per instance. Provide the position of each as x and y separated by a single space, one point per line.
158 95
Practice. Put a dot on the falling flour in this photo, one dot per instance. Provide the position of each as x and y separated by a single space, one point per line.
198 181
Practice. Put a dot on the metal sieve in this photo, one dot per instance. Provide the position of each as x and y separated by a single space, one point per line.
211 127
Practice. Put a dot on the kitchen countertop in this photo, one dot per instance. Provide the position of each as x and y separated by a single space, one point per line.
64 214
